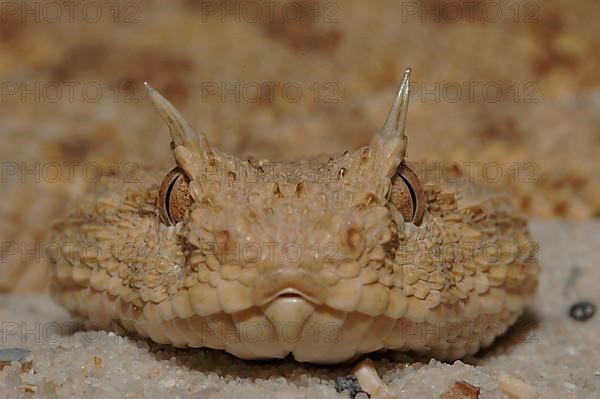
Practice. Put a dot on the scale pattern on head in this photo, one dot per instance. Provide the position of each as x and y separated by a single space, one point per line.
356 248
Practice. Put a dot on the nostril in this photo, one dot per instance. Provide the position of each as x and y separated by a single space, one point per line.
353 238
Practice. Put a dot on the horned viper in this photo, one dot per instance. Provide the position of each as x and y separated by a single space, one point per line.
321 260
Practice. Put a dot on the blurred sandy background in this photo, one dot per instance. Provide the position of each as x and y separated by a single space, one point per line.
506 92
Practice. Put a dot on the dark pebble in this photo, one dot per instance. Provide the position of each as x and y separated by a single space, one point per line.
582 311
349 383
8 355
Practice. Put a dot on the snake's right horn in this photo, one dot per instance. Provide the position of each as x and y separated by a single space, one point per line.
389 145
181 132
396 121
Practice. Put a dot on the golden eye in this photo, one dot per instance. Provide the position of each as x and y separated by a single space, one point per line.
174 197
407 194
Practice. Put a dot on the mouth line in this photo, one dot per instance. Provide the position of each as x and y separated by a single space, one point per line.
288 283
289 295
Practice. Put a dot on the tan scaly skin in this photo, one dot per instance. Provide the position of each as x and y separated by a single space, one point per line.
325 263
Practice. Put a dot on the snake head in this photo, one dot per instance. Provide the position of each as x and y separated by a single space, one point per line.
324 260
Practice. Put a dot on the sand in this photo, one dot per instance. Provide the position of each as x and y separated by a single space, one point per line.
552 355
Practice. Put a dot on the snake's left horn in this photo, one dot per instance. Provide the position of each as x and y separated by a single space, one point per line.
181 132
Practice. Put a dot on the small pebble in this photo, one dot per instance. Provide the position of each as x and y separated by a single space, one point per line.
22 356
516 387
461 390
582 311
8 355
350 383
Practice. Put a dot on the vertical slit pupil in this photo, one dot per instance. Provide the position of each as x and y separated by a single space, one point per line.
168 198
413 196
